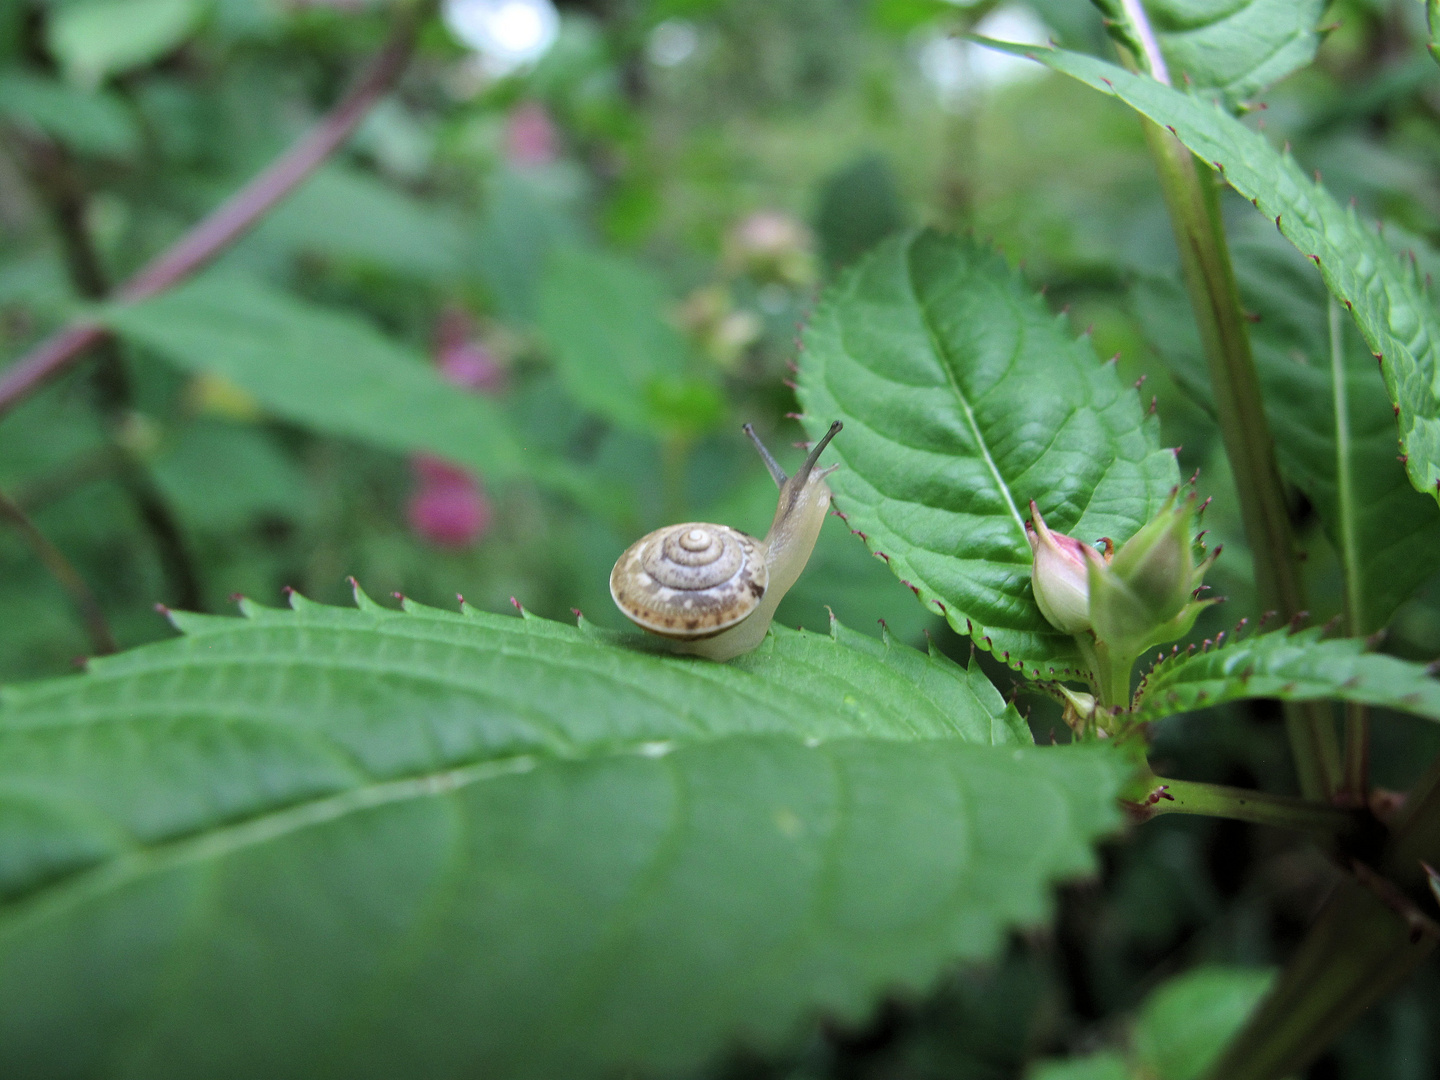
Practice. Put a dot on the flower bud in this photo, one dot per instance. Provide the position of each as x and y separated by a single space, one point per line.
1145 593
1060 576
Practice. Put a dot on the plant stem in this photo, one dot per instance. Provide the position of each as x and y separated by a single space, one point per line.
63 571
1371 934
58 183
1357 717
1191 197
1355 954
1152 796
231 220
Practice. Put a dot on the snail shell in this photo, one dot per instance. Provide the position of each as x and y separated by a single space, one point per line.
713 590
691 580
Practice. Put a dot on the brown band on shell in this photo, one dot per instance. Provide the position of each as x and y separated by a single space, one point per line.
691 580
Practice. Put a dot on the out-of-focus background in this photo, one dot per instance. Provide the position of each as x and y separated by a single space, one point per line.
519 319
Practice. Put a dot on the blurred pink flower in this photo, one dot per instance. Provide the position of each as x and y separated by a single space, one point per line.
450 509
530 136
463 358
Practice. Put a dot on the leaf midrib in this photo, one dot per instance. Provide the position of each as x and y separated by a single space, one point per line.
223 840
943 355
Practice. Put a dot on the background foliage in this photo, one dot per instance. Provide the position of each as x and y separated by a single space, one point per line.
405 375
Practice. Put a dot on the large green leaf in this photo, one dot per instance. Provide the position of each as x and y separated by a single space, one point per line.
1387 299
963 399
1231 50
1289 666
1387 533
374 843
326 370
604 317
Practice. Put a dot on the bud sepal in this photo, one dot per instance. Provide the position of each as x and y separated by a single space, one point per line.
1144 594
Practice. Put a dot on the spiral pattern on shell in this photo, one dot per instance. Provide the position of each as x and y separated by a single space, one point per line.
690 580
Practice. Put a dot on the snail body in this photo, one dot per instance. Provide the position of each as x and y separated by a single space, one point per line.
713 590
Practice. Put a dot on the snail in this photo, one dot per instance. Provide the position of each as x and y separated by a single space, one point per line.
712 590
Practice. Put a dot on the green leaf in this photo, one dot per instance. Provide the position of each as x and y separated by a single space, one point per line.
350 215
222 476
89 122
1398 321
1185 1024
368 843
1181 1029
859 206
325 370
1394 530
1230 50
604 317
524 219
93 39
1296 666
963 399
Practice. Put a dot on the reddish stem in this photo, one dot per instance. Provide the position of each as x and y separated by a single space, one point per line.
228 222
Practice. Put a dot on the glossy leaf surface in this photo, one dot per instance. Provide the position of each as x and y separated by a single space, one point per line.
963 399
1397 320
370 843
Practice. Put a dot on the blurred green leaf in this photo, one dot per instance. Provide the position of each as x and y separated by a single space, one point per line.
604 317
1181 1029
374 843
523 220
322 369
963 399
346 214
1289 667
87 121
93 39
223 476
903 16
859 206
1185 1024
1396 529
1387 299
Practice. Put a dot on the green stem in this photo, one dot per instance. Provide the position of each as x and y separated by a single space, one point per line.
1344 478
1354 955
1112 673
1152 796
1357 717
102 641
1371 934
1192 199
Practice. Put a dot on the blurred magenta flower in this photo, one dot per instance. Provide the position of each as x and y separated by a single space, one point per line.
530 136
463 358
450 509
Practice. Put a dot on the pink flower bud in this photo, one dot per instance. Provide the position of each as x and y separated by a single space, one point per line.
1060 576
530 137
450 509
463 358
